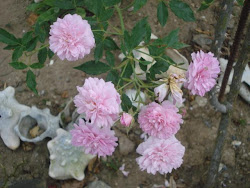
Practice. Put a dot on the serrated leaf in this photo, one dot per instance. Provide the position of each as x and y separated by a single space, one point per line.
40 32
128 71
109 3
31 81
139 4
148 34
179 45
113 76
11 47
18 52
162 13
159 67
33 6
110 58
94 6
93 68
18 65
109 44
42 55
27 37
8 38
126 103
138 32
205 4
50 53
62 4
182 10
106 14
37 66
98 51
155 50
31 45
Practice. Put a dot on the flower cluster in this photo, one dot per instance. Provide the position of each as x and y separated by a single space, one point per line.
100 102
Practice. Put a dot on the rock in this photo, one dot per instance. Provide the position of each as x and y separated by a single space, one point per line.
201 101
236 143
202 40
98 184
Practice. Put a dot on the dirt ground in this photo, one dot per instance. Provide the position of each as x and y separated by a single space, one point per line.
57 83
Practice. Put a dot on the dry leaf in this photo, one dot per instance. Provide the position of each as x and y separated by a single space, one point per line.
34 132
91 164
203 32
65 95
32 18
27 146
172 182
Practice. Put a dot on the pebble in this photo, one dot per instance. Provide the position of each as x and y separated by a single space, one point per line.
202 40
236 143
98 184
48 103
201 101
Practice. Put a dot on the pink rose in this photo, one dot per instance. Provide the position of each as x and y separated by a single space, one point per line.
126 119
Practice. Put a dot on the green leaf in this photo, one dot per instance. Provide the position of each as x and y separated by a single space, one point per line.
81 12
40 32
94 6
18 65
62 4
37 65
31 45
109 44
148 34
172 38
139 4
106 14
240 2
110 58
93 68
27 37
50 53
48 15
7 38
109 3
143 64
128 70
113 76
182 10
33 6
126 103
205 4
155 50
162 13
11 47
31 81
179 45
138 32
42 55
159 67
98 51
18 52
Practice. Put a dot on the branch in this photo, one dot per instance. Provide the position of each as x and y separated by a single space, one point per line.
219 36
235 48
226 118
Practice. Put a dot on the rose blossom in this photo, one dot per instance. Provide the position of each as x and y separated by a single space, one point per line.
94 140
99 100
160 155
126 119
202 73
71 37
161 121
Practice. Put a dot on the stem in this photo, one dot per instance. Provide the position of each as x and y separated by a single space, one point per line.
219 36
235 48
111 33
121 18
226 118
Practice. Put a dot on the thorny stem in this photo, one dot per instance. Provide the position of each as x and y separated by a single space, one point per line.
121 18
235 48
220 31
226 118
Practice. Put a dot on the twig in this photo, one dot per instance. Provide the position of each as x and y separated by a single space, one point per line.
235 48
226 118
220 31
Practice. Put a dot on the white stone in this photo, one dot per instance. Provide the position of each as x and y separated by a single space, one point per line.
66 160
10 111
